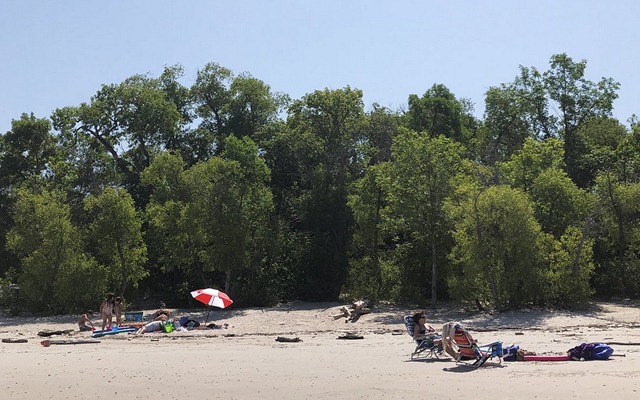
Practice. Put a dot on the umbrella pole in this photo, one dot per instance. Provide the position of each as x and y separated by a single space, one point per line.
206 320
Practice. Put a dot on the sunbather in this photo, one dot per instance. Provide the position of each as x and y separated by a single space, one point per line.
152 326
162 314
421 328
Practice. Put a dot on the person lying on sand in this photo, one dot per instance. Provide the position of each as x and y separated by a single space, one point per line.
152 326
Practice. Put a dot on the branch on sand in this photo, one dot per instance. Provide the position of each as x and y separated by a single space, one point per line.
353 312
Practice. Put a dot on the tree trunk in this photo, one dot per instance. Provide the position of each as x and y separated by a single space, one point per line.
376 238
227 282
492 280
123 269
434 273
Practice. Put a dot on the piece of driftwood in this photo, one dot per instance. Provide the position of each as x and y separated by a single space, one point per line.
353 312
51 333
14 340
288 340
350 336
49 342
344 313
623 343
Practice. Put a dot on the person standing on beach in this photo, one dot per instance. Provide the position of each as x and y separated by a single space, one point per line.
118 307
106 310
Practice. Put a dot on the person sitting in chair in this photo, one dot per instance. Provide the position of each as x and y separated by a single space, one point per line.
421 327
422 330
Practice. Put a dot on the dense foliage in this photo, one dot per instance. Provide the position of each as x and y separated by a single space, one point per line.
153 188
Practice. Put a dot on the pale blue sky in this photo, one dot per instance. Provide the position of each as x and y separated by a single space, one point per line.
59 53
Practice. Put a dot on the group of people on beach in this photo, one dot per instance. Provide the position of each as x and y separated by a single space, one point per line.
112 305
422 330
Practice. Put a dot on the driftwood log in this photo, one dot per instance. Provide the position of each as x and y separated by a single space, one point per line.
48 342
14 340
353 312
351 336
288 340
623 343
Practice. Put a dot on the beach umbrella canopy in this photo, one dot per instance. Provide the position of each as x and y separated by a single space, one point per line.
212 297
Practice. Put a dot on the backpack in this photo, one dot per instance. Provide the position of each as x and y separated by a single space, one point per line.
591 351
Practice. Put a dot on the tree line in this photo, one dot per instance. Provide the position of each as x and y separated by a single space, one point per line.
153 188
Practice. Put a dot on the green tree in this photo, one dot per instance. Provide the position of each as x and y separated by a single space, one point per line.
371 271
522 168
173 247
563 87
115 234
620 236
57 276
506 126
25 154
366 202
194 143
26 149
333 120
606 147
252 106
234 105
421 178
438 112
559 203
130 121
498 247
211 218
567 278
382 127
256 216
211 95
627 160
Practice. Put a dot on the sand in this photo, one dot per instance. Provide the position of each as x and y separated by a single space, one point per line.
245 360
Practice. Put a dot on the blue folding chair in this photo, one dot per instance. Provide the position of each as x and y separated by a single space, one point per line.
430 346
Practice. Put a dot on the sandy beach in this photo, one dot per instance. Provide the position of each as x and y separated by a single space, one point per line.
245 360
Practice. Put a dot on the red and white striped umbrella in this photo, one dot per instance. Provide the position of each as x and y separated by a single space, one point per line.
212 297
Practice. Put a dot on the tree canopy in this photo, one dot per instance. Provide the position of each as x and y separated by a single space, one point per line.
155 186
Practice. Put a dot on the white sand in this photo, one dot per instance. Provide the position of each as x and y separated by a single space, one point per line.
244 361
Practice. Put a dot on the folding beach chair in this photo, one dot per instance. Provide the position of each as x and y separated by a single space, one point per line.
469 349
430 345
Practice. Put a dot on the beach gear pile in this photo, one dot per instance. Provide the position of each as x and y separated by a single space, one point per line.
584 351
591 351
